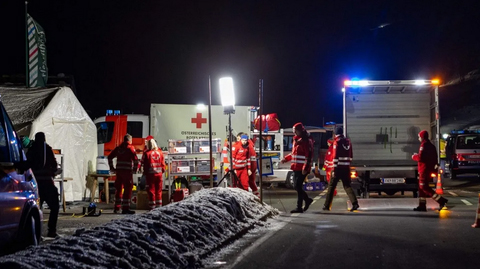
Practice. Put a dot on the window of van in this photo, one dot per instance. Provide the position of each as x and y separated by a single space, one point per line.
104 131
468 141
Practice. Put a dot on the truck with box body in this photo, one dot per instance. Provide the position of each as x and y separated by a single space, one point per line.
382 119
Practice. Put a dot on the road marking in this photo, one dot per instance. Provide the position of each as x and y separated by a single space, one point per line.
452 193
466 202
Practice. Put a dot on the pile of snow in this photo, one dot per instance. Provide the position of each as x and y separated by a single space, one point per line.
178 235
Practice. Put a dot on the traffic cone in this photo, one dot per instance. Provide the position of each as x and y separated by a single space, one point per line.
477 218
439 188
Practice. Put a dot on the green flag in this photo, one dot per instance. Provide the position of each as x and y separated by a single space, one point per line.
37 54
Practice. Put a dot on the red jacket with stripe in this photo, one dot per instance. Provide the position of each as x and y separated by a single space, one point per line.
342 153
153 162
126 157
426 158
302 153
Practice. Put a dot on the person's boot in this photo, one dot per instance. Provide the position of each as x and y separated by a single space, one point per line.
355 206
128 212
442 202
326 208
297 210
421 208
307 204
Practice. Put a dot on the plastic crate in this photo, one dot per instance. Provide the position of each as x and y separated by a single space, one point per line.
179 146
203 166
183 166
314 186
203 145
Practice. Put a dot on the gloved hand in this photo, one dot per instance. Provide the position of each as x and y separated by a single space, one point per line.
249 173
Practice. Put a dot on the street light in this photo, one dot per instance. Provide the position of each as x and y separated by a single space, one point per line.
228 102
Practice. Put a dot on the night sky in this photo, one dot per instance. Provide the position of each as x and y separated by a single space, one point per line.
127 54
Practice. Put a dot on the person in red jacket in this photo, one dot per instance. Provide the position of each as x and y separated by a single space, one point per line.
342 156
427 162
241 161
153 167
127 163
253 163
301 157
328 163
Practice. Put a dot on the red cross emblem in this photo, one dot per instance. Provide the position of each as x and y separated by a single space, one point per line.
199 120
134 199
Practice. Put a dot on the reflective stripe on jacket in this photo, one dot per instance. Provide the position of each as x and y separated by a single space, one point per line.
126 157
302 153
153 162
241 156
342 153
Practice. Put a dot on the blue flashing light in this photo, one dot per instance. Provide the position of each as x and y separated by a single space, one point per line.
109 112
330 123
116 112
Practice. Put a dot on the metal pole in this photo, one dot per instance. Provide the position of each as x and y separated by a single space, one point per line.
27 75
344 112
260 109
437 123
210 131
230 144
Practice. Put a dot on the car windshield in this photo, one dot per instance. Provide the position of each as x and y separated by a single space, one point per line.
468 141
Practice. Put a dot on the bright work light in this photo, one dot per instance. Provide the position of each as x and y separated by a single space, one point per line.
227 95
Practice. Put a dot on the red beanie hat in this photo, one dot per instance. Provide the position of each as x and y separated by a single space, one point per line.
299 126
149 137
423 134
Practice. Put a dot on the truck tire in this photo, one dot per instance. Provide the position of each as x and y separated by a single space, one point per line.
289 180
390 192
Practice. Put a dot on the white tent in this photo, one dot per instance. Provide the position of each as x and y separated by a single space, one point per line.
67 126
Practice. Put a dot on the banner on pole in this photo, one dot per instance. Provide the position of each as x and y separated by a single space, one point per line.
37 54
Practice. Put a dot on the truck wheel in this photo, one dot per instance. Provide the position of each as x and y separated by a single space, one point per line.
390 192
289 180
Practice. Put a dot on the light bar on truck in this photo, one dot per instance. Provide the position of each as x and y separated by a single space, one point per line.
364 83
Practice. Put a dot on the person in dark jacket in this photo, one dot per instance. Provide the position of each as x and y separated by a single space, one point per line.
301 157
342 154
41 159
427 161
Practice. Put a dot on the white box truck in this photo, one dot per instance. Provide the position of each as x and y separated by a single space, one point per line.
382 119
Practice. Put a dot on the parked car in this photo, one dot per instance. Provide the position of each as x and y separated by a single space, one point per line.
463 152
20 214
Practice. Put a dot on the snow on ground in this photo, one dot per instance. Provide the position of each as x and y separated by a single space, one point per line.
179 235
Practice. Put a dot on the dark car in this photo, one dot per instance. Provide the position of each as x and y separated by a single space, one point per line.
20 214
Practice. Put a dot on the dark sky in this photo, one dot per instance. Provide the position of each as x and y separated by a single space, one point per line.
127 54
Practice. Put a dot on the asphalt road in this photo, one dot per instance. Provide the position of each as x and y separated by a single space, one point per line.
372 237
380 235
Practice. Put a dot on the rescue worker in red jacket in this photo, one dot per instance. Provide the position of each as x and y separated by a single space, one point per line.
127 163
342 156
427 161
253 163
328 163
301 157
153 163
241 162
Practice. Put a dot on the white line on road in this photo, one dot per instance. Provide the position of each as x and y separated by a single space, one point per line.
452 193
466 202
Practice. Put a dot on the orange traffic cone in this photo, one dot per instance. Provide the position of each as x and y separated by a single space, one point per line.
477 218
439 188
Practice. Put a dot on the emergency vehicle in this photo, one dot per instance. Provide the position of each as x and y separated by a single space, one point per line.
382 119
167 121
462 152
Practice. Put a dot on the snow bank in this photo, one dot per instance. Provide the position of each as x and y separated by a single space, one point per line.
178 235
